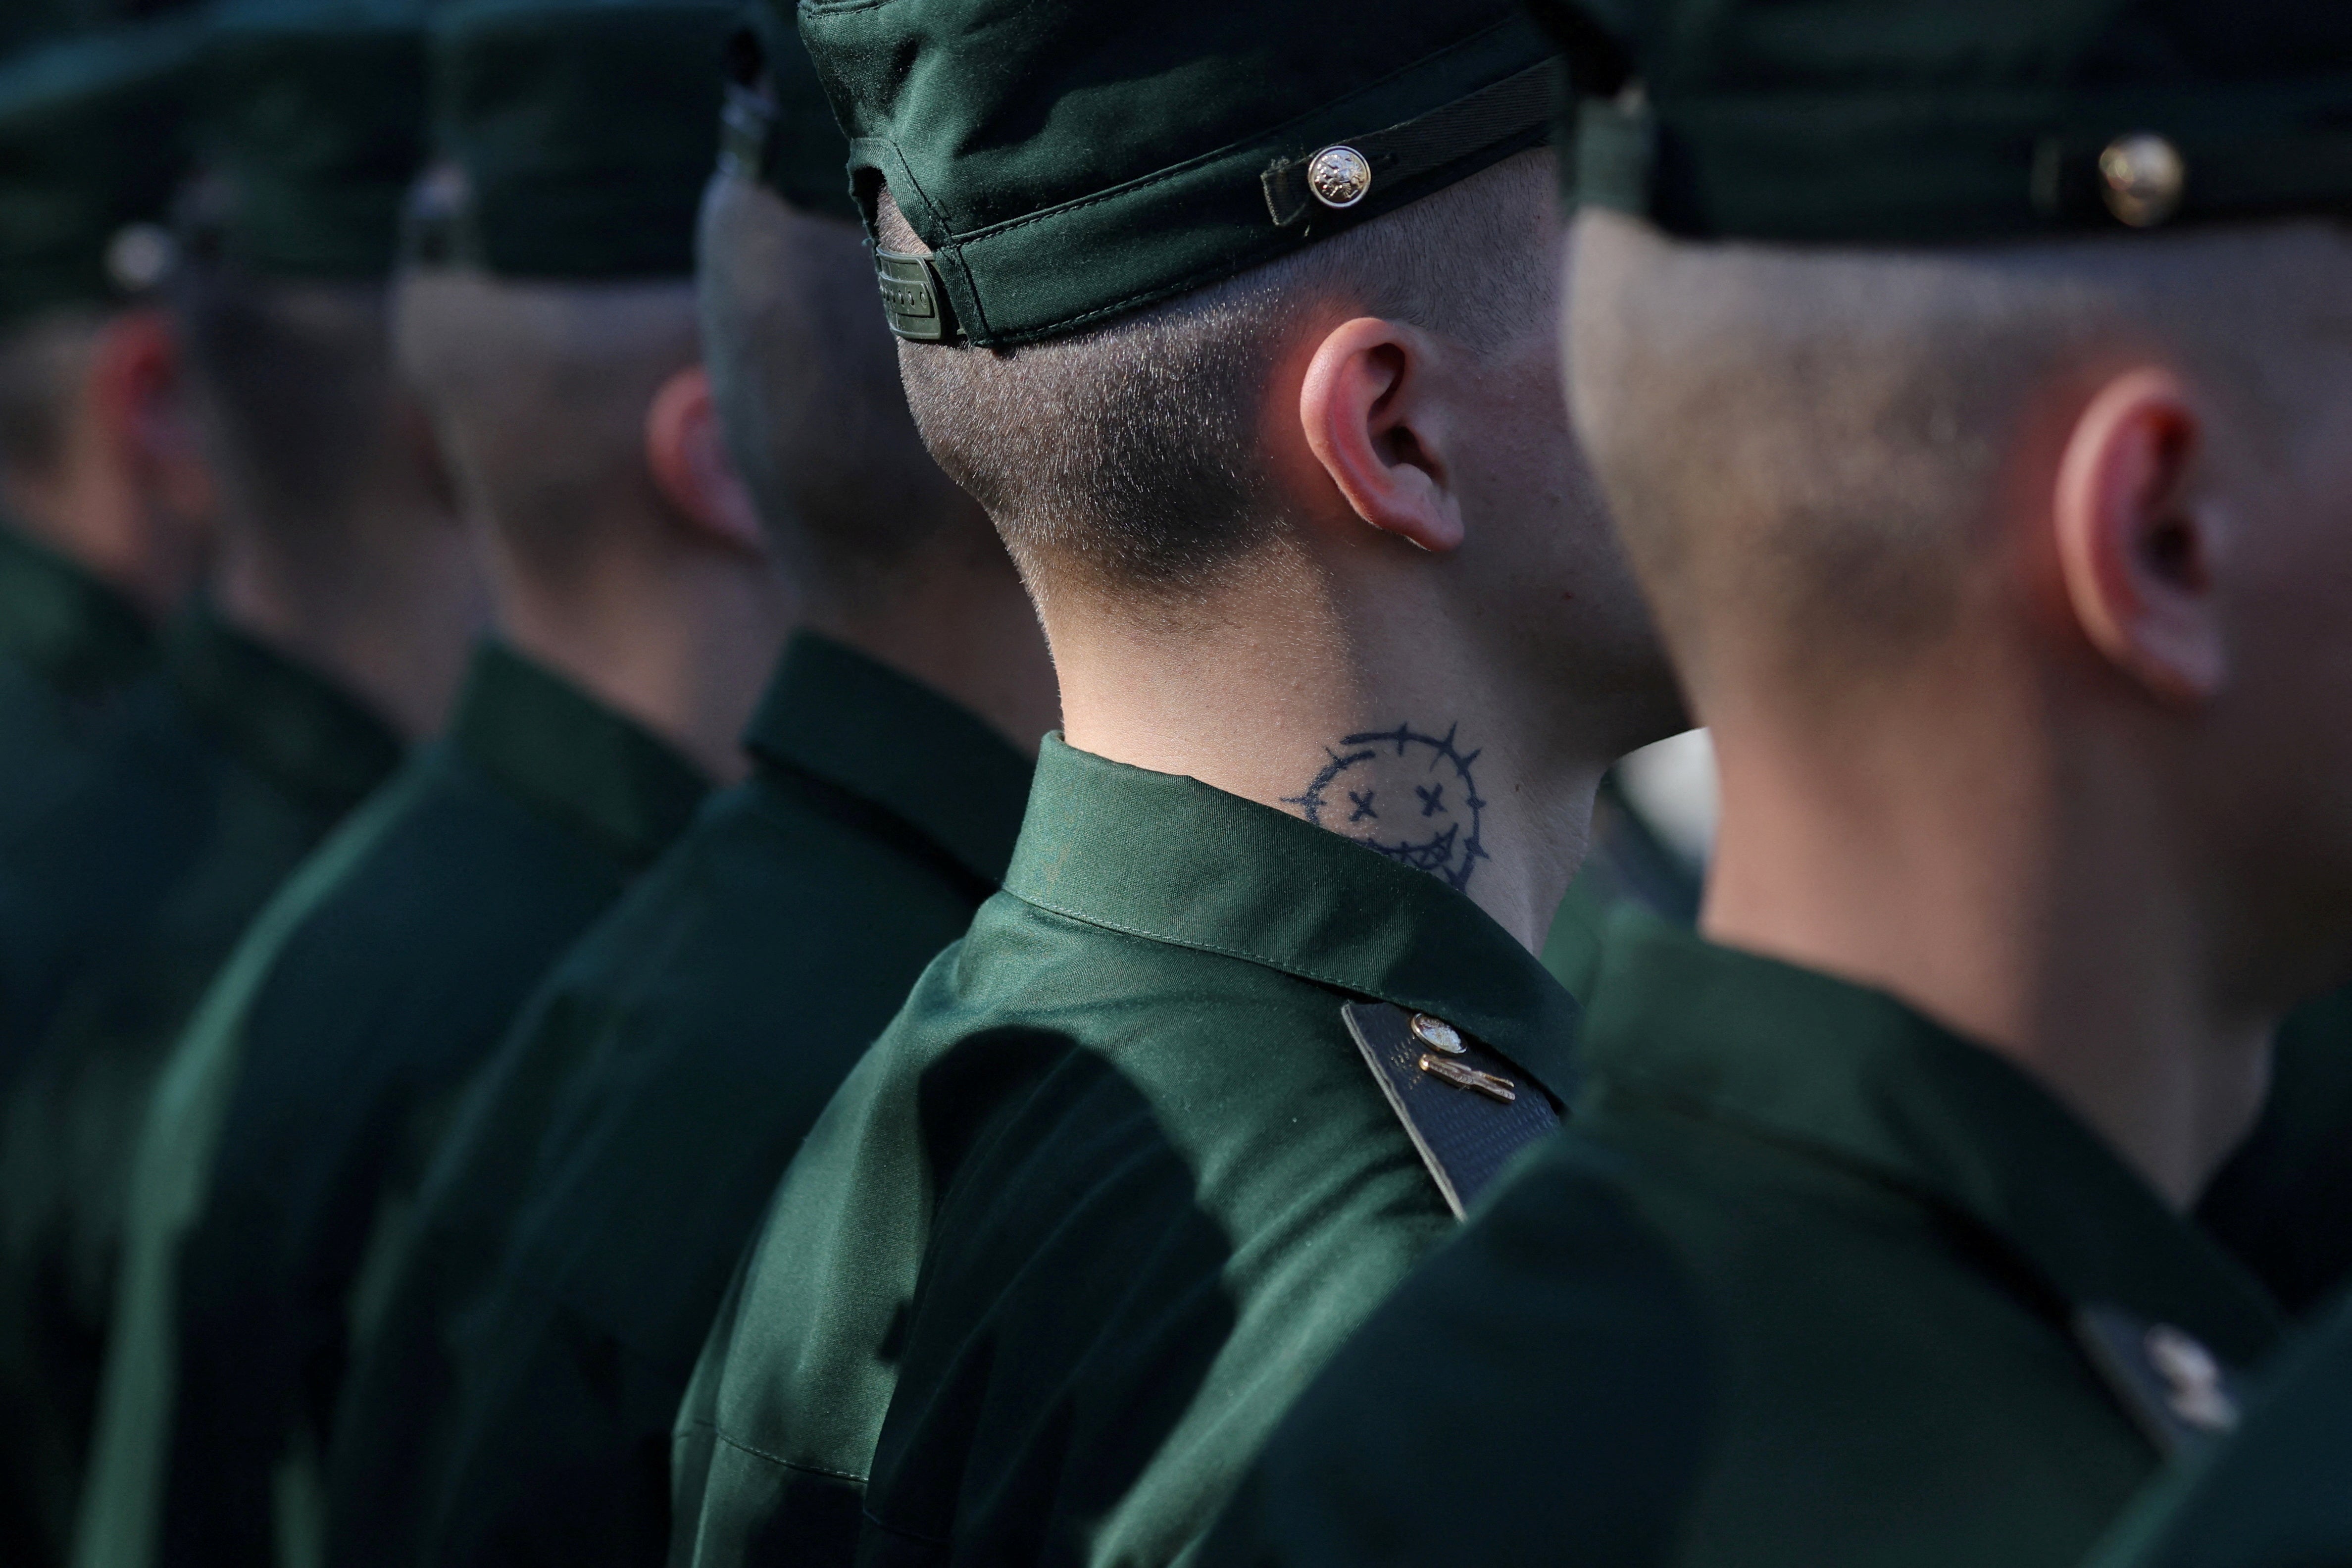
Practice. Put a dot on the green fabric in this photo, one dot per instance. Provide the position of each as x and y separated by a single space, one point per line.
310 124
328 1056
206 782
2281 1203
585 129
581 1222
1797 1287
1626 862
2274 1495
778 128
1939 121
1148 1180
70 646
170 1174
1069 161
91 139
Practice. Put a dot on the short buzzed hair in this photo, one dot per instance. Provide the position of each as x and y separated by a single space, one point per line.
291 382
539 390
808 390
1134 454
43 365
1811 441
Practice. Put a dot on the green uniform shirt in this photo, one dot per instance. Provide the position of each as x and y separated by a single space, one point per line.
2284 1203
305 1095
67 643
1801 1287
593 1197
205 784
1147 1178
2277 1494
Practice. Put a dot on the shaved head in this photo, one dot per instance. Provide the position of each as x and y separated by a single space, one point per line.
807 388
1806 449
1133 457
539 392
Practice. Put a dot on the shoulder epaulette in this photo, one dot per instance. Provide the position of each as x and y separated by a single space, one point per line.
2177 1391
1465 1107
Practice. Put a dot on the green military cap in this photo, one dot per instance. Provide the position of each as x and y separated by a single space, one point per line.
584 130
1904 121
90 150
1070 160
778 127
311 125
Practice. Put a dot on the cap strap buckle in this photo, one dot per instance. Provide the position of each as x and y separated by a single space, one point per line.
1341 175
912 300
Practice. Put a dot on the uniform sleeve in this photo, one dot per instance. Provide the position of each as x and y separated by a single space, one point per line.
1537 1392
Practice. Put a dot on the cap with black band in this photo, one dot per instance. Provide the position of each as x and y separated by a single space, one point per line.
583 130
1930 121
91 147
1067 163
310 127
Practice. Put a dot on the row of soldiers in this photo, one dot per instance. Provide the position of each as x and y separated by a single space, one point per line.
555 1006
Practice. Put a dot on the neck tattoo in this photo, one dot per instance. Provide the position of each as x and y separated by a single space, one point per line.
1405 794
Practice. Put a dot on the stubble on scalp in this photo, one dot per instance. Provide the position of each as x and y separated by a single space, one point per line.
1808 452
1132 460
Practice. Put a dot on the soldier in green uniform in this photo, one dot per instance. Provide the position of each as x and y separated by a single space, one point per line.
1236 320
2275 1494
101 528
586 1212
335 619
104 505
549 324
1970 391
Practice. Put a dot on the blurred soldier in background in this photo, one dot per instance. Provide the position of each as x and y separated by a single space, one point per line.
334 614
549 324
104 502
590 1205
104 507
1992 473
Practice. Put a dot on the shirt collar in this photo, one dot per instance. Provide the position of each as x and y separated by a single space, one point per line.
289 722
863 728
73 629
1175 861
1802 1058
571 758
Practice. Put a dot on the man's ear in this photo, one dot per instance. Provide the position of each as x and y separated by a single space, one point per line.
1369 418
690 464
139 399
2139 547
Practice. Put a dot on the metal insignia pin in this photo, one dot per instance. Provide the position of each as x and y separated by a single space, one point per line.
2194 1386
1339 176
1437 1033
2141 178
1461 1076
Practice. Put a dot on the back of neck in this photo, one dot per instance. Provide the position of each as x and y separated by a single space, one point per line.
1380 728
957 620
680 640
1990 884
386 603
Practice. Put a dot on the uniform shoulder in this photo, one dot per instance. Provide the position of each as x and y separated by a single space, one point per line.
1552 1352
